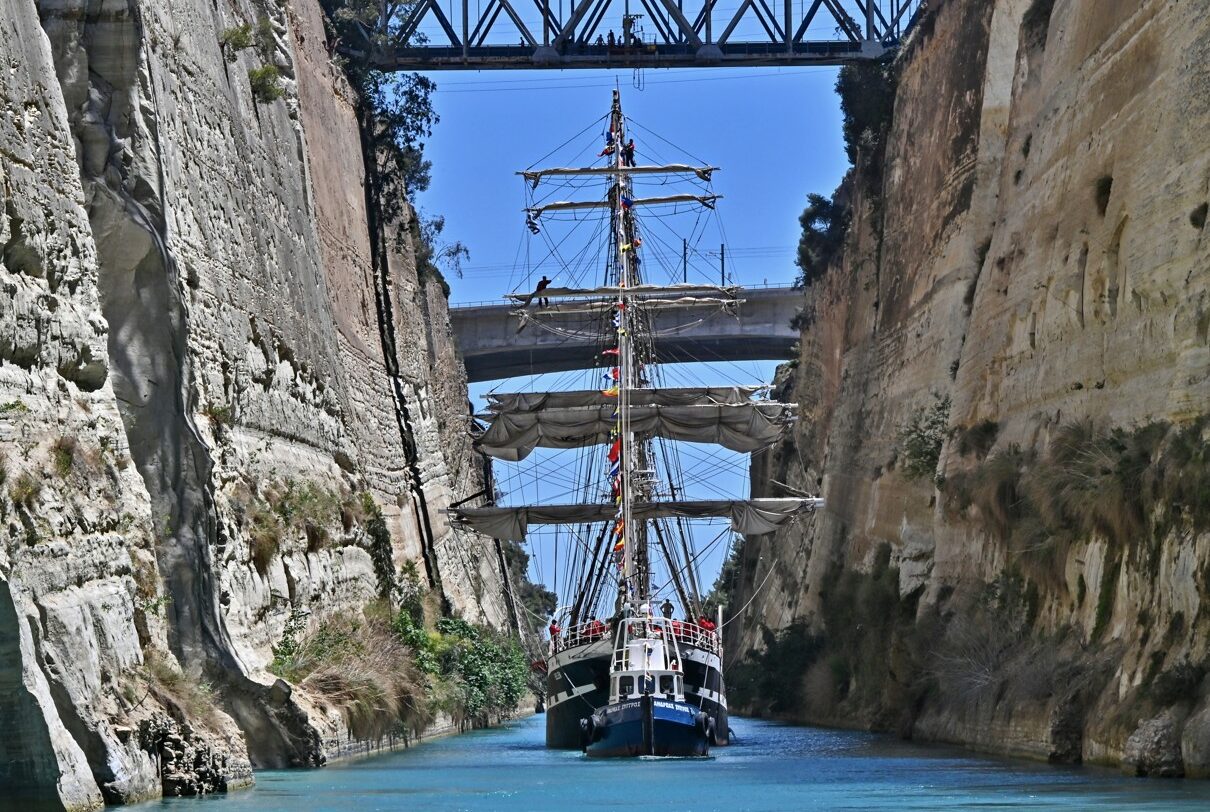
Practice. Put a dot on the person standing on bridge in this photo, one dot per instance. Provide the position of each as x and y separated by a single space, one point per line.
611 39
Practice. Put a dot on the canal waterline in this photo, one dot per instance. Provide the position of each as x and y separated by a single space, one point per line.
770 767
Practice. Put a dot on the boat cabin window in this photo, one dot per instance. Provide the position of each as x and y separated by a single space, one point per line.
667 684
625 686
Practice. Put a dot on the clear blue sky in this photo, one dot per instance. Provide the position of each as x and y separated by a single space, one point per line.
775 133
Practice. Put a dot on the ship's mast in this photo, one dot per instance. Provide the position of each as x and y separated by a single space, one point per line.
626 360
623 542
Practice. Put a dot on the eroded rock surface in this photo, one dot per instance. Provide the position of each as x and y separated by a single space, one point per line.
195 394
1030 256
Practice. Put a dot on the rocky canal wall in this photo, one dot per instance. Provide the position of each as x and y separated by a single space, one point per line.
219 416
1004 383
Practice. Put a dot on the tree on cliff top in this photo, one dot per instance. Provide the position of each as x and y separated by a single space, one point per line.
397 115
867 102
824 225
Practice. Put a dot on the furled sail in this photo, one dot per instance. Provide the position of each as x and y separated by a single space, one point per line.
688 396
534 176
750 517
742 427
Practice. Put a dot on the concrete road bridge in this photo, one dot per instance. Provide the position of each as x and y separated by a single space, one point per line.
495 345
431 35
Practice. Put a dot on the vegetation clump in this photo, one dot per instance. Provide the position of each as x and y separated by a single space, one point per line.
265 79
192 698
266 83
235 39
536 598
63 455
1128 486
867 104
291 509
921 438
396 115
380 546
825 222
25 490
977 440
221 417
387 673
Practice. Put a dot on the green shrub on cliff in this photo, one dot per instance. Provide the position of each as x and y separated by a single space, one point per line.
867 104
824 222
921 438
1128 486
266 83
396 116
489 672
536 598
63 455
235 39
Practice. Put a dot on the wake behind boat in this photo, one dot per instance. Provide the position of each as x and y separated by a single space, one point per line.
638 682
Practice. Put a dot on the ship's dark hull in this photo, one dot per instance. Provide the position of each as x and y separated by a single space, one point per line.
577 684
704 688
648 727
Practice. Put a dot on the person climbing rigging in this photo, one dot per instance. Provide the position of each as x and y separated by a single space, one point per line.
628 153
543 284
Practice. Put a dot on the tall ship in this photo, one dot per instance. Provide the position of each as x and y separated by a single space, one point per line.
635 663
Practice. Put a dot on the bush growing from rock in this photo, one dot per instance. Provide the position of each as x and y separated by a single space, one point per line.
266 84
25 490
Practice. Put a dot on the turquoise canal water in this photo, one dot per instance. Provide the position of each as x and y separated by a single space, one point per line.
771 767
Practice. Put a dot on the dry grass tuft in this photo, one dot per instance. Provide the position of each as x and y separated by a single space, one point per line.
25 490
361 667
63 455
191 698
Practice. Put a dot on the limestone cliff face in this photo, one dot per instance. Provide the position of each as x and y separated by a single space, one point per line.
1034 258
201 371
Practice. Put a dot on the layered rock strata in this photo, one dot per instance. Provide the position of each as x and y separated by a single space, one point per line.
1032 258
203 373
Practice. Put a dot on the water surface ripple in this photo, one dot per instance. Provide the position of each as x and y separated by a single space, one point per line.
770 767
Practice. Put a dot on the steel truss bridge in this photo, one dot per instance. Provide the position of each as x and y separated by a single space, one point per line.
484 34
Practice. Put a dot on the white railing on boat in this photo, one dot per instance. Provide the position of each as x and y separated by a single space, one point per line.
685 632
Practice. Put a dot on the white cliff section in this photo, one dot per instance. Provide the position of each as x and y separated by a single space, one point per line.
226 184
75 515
188 317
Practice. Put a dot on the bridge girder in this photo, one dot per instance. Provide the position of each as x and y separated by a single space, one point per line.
684 33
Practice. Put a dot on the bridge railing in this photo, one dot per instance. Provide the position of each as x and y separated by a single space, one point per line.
510 302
